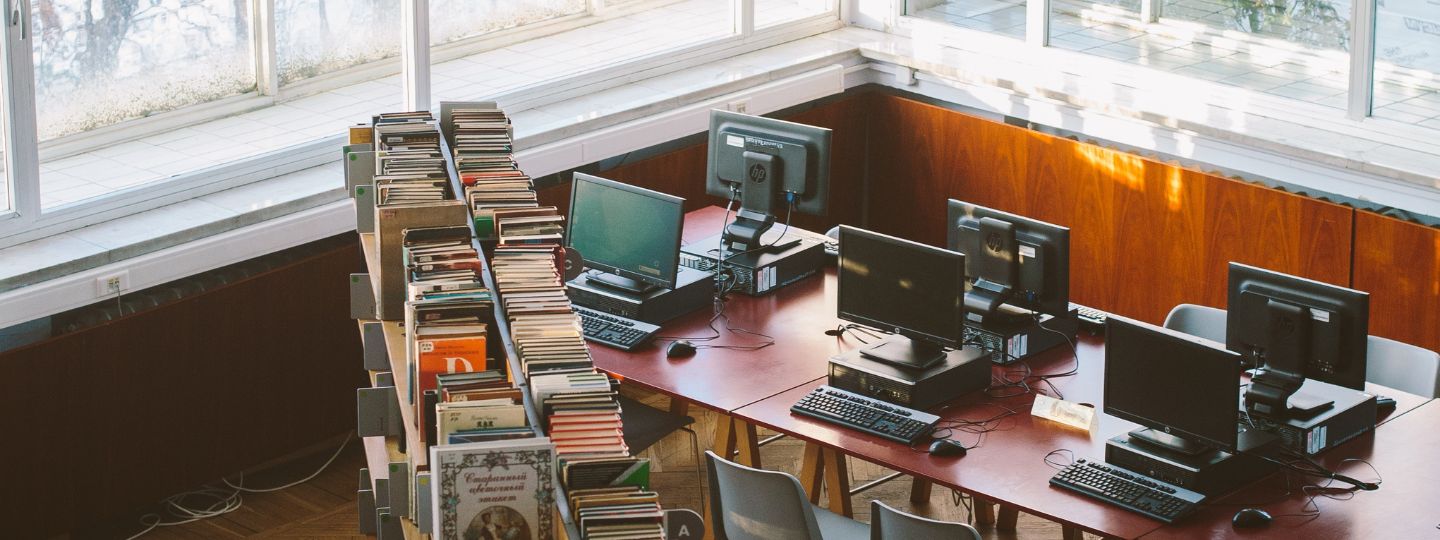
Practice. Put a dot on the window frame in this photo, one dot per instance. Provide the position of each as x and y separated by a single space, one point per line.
26 220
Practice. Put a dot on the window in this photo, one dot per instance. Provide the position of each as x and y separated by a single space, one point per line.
101 63
772 12
5 190
316 37
1407 62
1004 17
141 103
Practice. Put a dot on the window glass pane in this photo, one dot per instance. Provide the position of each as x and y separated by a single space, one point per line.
617 35
1004 17
99 63
452 20
315 37
5 190
773 12
1407 62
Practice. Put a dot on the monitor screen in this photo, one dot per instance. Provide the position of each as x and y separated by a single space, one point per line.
626 230
1308 328
1176 383
902 286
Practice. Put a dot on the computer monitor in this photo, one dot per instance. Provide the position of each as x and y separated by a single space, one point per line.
1291 329
768 165
905 287
629 233
1010 260
1183 389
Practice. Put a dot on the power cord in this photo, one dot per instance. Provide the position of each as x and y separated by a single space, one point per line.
222 501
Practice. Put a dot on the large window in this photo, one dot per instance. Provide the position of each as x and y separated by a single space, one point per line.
141 103
1293 49
316 37
99 63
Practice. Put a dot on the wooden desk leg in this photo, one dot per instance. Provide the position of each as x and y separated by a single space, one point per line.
748 442
1070 532
984 511
724 444
837 482
920 490
1007 519
679 407
812 467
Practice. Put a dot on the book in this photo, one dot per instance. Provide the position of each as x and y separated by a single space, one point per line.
496 489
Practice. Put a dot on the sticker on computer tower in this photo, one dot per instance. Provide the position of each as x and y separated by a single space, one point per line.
1316 441
1018 345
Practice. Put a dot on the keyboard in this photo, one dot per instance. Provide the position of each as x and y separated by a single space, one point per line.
873 416
614 330
1090 317
1130 490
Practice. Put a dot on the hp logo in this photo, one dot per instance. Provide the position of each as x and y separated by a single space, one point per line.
757 174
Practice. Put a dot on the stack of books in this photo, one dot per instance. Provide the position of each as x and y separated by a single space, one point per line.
618 513
477 407
409 167
484 158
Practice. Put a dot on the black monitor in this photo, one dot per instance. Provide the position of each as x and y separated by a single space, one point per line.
1294 329
631 234
1183 389
905 287
767 165
1010 260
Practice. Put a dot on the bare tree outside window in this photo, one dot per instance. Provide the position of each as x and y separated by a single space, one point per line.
315 37
100 62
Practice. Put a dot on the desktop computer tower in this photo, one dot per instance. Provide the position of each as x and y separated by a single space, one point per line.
964 370
1010 342
693 290
756 274
1352 414
1211 472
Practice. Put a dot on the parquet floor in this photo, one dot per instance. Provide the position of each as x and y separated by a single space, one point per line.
325 508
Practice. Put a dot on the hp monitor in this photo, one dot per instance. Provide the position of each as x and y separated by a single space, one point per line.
1010 260
1183 389
768 165
631 234
905 287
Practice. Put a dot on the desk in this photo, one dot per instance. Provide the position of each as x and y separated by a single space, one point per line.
758 387
724 380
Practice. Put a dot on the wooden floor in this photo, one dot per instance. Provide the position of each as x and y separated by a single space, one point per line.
325 507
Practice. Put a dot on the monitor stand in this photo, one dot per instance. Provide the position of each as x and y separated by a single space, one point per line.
905 352
615 281
1168 442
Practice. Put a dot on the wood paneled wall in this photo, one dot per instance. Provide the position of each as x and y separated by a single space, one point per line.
1145 235
1398 263
103 422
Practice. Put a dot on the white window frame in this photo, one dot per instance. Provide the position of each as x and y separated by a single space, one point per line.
26 220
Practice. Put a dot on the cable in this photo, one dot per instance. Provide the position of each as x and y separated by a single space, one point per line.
223 501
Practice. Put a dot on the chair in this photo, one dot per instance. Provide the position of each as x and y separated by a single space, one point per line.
1402 366
646 425
887 523
1200 321
753 504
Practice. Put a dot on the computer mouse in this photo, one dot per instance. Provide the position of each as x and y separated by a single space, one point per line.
680 349
946 448
1251 517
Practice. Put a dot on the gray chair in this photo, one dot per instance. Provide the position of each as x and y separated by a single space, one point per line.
1200 321
754 504
887 523
1402 366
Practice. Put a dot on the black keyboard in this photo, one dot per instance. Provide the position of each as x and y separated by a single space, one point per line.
870 415
614 330
1127 489
1090 317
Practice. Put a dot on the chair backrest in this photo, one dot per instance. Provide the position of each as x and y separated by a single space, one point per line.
887 523
1402 366
1201 321
754 504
